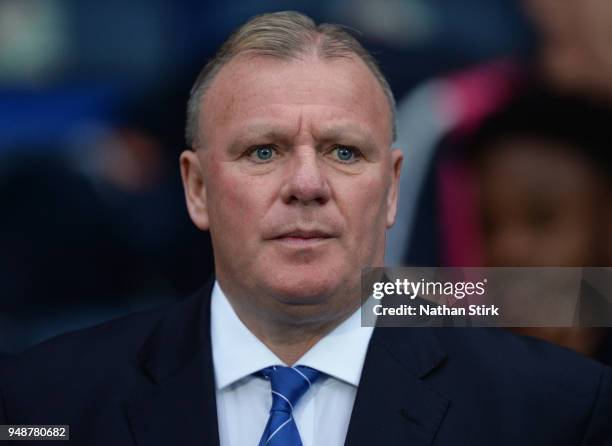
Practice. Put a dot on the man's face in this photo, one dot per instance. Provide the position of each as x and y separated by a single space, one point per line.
295 181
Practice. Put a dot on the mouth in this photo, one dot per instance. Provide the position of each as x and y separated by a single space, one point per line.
303 238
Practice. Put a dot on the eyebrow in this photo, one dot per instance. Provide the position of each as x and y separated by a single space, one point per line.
350 132
258 132
264 132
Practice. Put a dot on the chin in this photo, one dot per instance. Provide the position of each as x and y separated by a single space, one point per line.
299 288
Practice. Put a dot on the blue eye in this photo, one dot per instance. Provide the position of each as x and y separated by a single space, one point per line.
345 154
263 153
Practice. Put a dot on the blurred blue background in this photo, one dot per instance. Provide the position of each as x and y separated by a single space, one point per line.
92 97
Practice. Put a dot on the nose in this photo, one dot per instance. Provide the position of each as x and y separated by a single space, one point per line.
511 248
306 182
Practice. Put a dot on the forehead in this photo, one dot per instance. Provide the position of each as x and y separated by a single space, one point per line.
536 167
255 90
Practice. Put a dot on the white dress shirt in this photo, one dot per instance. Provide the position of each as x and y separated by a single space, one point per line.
322 415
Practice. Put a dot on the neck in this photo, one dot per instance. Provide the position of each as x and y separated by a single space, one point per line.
288 337
291 344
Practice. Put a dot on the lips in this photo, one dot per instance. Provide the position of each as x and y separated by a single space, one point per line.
305 234
302 237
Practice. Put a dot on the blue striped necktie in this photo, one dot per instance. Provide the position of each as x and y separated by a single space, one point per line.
288 386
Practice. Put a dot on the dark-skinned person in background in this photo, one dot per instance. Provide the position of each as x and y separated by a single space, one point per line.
544 176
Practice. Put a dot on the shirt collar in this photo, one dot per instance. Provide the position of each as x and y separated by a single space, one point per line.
237 353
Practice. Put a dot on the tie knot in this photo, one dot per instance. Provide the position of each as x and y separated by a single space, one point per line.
289 384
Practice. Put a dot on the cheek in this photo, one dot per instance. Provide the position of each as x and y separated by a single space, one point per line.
371 193
574 239
236 202
363 204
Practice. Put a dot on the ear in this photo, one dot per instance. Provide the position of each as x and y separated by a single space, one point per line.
396 160
195 189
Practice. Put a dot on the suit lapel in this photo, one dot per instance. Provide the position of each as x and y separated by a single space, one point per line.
394 406
176 403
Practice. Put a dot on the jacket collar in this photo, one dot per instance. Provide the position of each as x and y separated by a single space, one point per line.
176 403
395 405
182 332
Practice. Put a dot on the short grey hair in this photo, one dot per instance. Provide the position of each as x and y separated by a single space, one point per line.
283 35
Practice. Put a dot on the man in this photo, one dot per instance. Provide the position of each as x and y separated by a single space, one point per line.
292 172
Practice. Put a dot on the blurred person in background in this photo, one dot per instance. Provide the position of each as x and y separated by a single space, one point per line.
134 170
438 222
574 53
435 224
94 222
544 178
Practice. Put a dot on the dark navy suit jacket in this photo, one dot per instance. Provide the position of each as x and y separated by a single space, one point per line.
147 379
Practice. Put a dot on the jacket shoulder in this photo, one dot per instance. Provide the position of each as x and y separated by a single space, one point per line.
518 374
116 337
72 365
522 357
